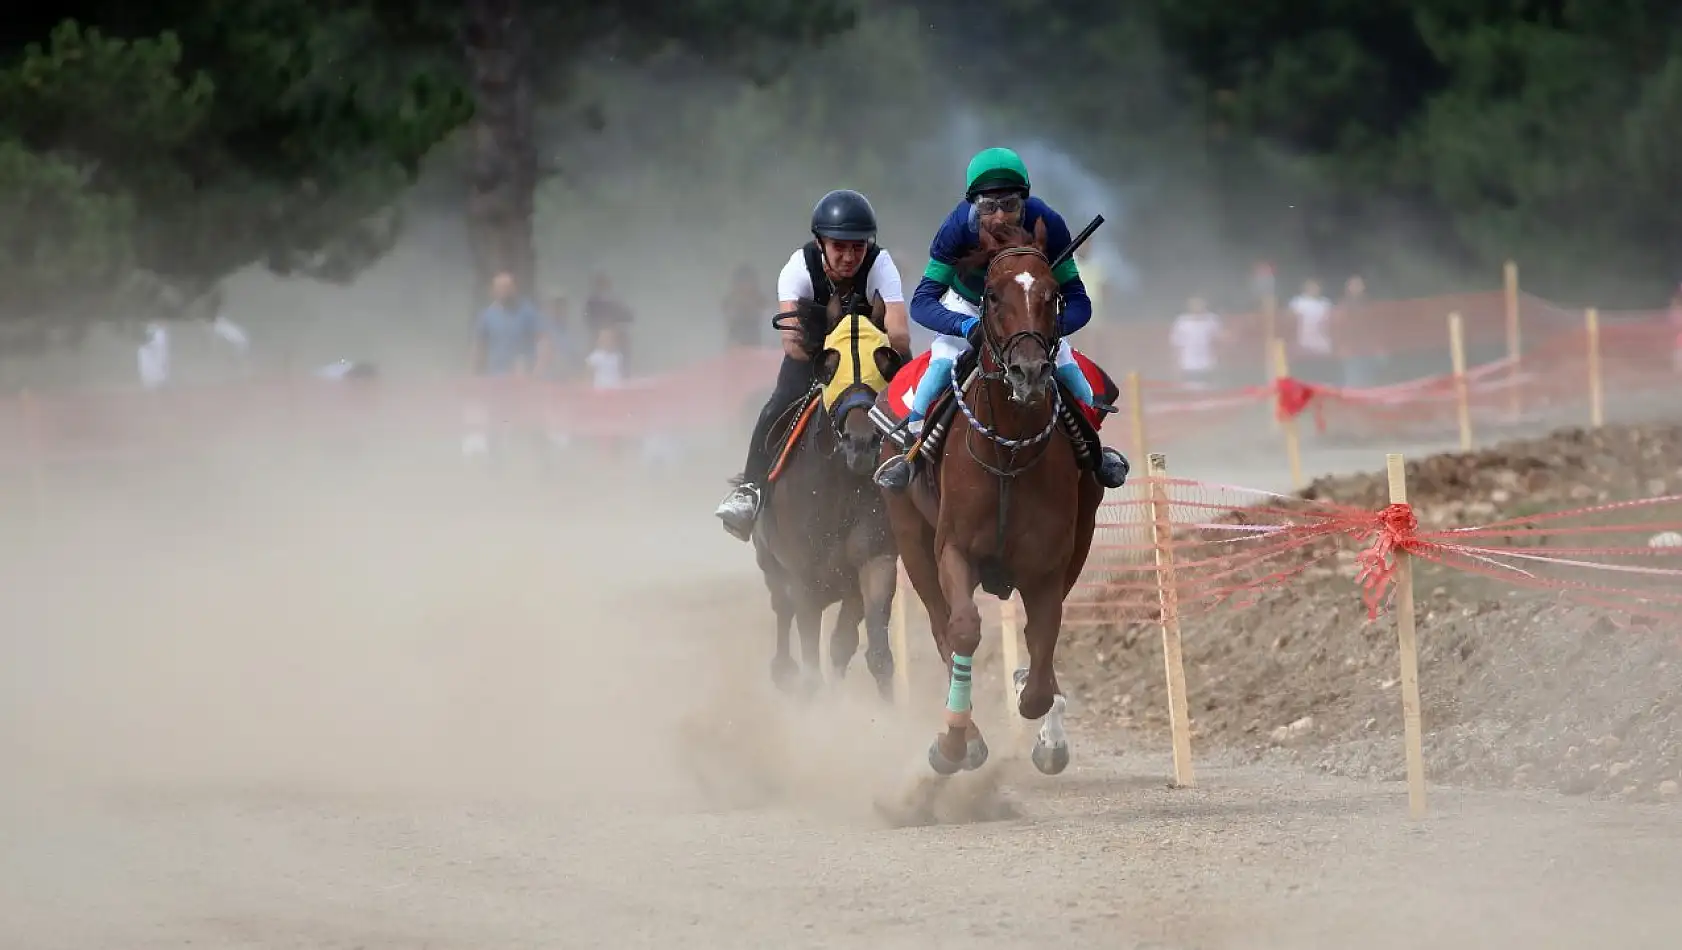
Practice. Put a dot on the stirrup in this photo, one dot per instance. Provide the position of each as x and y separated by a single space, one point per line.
894 473
737 522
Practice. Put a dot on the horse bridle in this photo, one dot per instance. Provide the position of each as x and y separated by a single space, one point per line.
998 351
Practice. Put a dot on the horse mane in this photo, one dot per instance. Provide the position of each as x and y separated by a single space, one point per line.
999 238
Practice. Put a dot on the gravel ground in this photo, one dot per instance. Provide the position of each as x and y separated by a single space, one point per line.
383 707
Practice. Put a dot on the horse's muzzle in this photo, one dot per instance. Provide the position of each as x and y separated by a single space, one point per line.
1029 380
860 453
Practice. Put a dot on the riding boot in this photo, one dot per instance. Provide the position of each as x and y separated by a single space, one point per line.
896 471
1112 468
740 508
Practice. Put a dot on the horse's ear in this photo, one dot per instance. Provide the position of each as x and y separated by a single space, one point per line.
878 311
829 362
888 362
1039 235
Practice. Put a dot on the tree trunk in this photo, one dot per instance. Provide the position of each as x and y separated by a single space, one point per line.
504 161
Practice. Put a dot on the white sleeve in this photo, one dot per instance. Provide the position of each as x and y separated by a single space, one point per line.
793 282
884 279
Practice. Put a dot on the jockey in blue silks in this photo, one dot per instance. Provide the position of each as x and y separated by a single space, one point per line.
949 302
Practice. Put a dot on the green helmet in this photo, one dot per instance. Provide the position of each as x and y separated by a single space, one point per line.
995 168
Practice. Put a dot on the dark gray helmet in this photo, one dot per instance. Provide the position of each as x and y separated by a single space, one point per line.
844 216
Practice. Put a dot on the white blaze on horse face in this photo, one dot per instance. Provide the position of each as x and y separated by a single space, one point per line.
1027 281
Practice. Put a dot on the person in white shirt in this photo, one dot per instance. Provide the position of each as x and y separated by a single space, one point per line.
842 258
607 360
153 356
1314 318
1193 336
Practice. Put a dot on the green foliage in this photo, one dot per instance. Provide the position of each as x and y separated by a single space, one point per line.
1407 138
141 168
148 150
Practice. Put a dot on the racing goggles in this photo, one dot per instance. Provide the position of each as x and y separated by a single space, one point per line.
1008 202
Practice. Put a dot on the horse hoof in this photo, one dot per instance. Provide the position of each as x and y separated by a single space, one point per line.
940 763
885 688
1050 759
784 674
880 664
1019 681
975 754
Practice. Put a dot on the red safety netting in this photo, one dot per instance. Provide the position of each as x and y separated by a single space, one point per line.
1562 375
1208 546
107 425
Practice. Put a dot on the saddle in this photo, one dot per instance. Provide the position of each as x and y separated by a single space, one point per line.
1082 436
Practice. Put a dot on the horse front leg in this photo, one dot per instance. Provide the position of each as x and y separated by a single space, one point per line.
783 668
915 540
1037 694
961 745
808 619
877 582
844 638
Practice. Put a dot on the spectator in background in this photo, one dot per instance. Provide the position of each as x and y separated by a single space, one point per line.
607 360
562 350
747 309
1313 314
506 333
602 309
226 330
1193 336
152 355
1362 352
506 338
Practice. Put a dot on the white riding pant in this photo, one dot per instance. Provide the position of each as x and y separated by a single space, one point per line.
947 347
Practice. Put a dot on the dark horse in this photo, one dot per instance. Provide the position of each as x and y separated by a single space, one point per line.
823 536
1005 504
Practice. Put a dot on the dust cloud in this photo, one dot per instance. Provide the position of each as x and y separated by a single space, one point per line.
382 696
363 627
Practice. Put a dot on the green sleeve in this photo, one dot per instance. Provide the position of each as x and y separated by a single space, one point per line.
942 274
1065 272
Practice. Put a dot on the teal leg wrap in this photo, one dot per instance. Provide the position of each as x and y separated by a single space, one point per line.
938 374
1071 376
957 697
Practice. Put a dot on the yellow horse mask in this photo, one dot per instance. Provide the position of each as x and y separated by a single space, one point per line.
855 339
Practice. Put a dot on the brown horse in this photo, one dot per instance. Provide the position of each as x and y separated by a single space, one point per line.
823 536
1005 505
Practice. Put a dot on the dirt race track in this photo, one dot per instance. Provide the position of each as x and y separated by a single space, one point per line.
361 707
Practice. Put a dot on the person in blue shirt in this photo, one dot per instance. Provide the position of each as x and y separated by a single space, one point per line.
506 333
947 301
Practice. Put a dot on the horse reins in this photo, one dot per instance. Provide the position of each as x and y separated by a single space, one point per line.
1006 471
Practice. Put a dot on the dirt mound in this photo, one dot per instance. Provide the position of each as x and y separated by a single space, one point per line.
1518 689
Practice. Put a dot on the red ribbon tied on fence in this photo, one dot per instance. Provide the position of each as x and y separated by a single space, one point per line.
1292 396
1394 529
